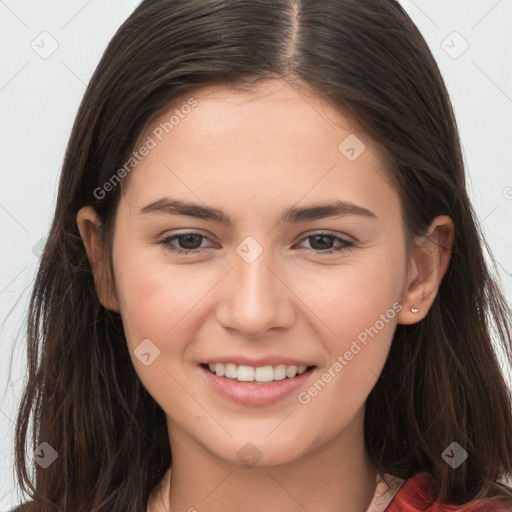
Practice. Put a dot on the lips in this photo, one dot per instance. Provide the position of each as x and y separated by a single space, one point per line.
253 393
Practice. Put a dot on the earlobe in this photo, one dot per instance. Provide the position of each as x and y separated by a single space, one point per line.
89 228
430 262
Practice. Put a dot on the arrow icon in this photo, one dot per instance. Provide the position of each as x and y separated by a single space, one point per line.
454 455
351 147
146 352
44 45
454 45
45 455
243 249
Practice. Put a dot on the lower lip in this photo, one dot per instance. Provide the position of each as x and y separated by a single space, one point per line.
249 393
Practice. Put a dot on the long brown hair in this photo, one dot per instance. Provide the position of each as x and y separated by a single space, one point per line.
441 383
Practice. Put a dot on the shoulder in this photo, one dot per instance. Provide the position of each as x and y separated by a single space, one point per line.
414 496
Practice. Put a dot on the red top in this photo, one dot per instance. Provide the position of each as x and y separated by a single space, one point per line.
414 496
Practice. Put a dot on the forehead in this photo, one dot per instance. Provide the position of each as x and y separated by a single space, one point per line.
271 141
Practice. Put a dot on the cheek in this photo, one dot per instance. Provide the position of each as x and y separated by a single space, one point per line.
158 303
356 356
360 308
157 299
354 295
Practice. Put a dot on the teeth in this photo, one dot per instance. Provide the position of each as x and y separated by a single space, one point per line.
291 371
261 374
245 373
264 374
219 370
280 372
230 370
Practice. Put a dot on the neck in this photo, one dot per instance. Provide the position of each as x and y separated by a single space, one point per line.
335 477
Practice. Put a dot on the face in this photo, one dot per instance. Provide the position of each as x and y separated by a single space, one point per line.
283 284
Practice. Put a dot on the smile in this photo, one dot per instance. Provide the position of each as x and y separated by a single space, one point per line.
256 385
259 375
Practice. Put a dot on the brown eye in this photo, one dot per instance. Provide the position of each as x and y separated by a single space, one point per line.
183 243
189 240
189 243
322 243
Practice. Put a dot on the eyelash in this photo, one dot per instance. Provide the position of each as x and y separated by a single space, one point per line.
167 241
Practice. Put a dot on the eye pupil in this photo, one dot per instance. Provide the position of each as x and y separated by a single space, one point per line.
323 237
188 238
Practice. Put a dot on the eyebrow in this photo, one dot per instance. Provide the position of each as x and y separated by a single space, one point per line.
292 215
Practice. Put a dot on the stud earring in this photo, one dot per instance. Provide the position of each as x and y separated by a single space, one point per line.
414 310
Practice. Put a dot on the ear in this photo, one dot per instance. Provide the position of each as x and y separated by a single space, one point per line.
429 263
90 230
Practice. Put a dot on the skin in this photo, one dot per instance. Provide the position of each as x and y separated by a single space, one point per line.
253 155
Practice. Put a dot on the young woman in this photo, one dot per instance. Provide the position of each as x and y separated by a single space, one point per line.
264 287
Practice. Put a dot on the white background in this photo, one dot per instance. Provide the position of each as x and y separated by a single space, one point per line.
39 99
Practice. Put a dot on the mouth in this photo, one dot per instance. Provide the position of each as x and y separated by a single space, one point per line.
261 375
257 381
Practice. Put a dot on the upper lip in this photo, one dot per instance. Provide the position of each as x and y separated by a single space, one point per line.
257 362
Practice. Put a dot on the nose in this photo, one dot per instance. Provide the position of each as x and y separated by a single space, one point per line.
255 297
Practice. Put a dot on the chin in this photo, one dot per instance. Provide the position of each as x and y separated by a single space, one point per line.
259 451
